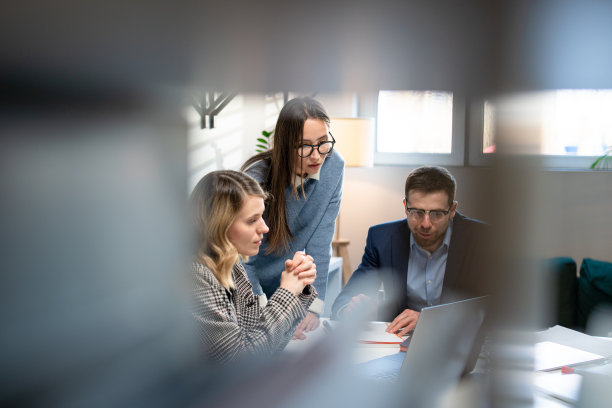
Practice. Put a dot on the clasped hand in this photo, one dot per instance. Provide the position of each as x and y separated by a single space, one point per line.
299 272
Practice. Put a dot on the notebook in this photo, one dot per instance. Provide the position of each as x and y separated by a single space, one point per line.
445 343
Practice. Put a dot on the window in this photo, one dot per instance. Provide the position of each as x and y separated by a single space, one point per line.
568 128
419 127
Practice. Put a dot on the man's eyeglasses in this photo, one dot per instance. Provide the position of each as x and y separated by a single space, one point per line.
324 148
434 215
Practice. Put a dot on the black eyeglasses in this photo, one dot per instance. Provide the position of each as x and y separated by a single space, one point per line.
324 148
418 214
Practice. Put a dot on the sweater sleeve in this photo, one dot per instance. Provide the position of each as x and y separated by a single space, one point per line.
308 295
365 280
231 329
319 245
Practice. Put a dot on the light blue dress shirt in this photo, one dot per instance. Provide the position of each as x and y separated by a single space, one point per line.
426 272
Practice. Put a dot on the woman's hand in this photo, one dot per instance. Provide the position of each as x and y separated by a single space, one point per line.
300 263
299 272
303 266
310 323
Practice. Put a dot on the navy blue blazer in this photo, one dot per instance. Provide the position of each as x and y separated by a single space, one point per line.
385 260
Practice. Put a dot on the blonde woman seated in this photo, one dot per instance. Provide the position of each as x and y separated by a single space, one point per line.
227 208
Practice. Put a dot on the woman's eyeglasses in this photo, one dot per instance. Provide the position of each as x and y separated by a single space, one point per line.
324 148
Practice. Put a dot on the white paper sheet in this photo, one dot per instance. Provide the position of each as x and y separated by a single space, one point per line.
551 356
375 333
566 387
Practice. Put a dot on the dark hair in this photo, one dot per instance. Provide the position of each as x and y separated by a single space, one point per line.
283 159
429 179
215 202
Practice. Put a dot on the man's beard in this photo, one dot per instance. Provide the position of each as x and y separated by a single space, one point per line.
428 242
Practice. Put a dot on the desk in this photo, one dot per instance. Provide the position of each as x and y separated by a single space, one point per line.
360 352
472 390
325 368
568 389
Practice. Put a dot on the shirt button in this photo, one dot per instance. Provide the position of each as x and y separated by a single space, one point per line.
429 282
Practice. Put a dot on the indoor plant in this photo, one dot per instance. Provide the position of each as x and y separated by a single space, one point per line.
263 143
603 162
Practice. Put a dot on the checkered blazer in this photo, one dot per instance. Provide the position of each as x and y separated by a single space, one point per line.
231 322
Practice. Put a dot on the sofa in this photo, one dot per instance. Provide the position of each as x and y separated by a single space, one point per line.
578 295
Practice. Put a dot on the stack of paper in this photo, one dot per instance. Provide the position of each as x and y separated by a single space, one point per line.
552 356
375 334
566 387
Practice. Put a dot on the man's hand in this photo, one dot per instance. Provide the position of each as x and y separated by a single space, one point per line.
361 304
310 323
407 319
356 302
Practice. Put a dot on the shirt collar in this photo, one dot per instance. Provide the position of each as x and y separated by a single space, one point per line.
447 235
298 179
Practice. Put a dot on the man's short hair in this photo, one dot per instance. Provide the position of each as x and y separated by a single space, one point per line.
430 179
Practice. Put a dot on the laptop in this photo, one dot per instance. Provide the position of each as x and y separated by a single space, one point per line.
445 344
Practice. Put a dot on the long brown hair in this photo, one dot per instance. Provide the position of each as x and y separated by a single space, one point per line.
283 159
216 201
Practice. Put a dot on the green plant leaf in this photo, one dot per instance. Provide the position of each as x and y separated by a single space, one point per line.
261 146
263 141
266 133
603 161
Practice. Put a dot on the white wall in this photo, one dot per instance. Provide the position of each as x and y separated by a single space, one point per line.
220 147
234 136
576 213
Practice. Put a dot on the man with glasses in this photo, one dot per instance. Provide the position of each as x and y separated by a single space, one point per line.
431 257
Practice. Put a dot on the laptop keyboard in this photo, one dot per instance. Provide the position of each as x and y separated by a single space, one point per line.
389 376
383 369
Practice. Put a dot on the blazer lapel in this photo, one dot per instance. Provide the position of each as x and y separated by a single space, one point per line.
400 251
456 254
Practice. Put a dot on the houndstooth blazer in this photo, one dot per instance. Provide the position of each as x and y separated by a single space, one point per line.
232 323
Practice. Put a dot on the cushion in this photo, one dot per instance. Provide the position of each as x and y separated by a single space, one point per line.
594 287
564 285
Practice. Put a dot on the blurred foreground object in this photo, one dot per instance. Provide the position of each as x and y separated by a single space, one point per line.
93 247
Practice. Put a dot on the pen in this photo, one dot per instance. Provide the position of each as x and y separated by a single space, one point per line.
399 330
572 370
579 368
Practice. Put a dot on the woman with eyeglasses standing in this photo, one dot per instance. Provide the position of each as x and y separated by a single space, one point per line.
303 174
